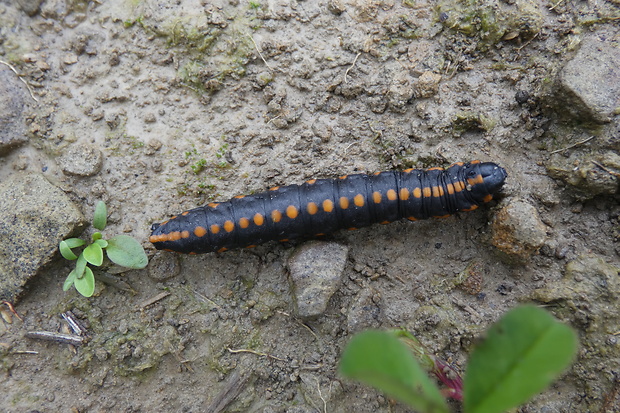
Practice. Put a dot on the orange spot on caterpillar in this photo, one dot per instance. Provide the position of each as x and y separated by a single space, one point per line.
487 198
174 236
214 229
426 192
358 200
376 197
259 219
276 215
391 194
404 194
311 181
291 212
229 226
477 180
328 205
312 208
244 222
417 193
344 202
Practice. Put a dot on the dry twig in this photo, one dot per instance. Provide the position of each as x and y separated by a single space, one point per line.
243 350
22 79
153 300
351 67
573 145
58 337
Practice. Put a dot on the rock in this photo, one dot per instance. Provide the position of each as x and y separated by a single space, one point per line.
12 121
365 311
586 173
427 85
30 7
36 217
589 84
164 266
588 292
81 160
336 6
315 270
400 91
492 21
518 231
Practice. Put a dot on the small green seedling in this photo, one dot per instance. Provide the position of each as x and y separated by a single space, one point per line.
121 249
521 356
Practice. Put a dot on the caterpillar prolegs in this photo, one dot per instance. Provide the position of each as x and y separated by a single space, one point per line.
321 206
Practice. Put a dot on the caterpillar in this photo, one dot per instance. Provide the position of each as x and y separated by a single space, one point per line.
321 206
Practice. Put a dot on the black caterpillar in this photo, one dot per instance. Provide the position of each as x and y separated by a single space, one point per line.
321 206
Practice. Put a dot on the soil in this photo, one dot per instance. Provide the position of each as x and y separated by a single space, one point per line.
194 101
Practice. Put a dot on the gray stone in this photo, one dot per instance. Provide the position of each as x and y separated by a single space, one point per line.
518 231
587 173
365 312
315 270
35 217
12 121
164 267
587 295
590 82
30 7
81 160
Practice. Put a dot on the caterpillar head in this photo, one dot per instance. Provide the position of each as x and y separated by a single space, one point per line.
484 180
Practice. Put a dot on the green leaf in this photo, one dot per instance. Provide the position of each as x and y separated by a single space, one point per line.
74 242
69 281
94 254
382 361
80 265
522 354
102 243
66 252
416 348
126 251
97 236
86 284
101 216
